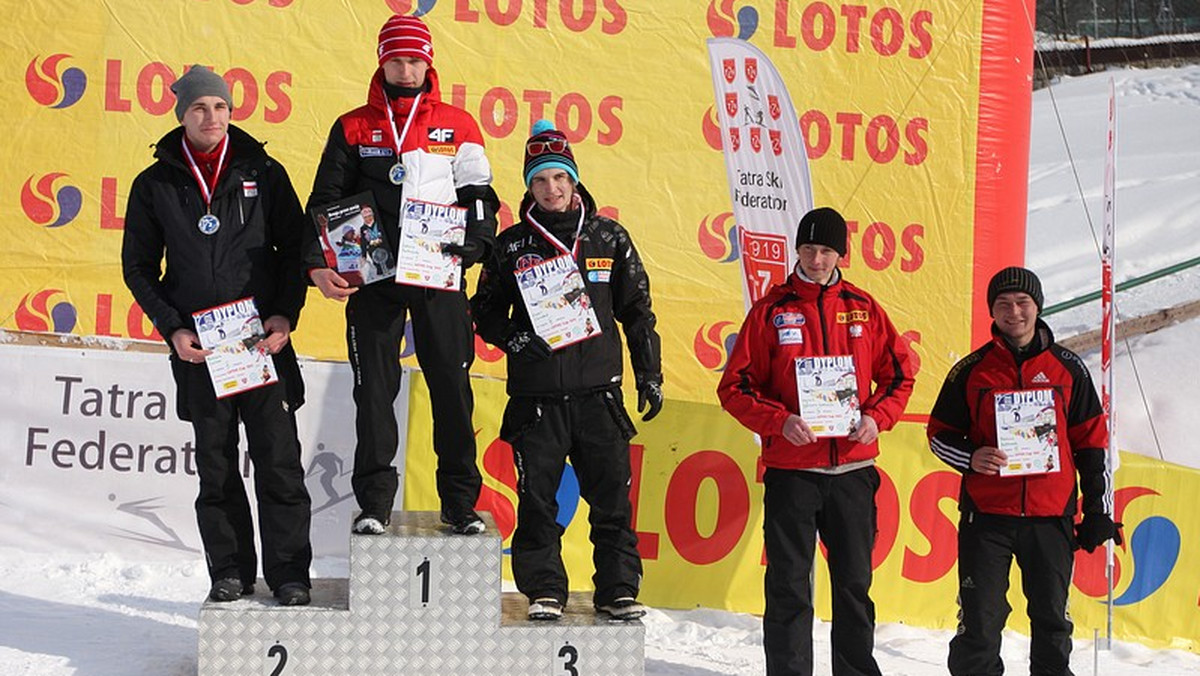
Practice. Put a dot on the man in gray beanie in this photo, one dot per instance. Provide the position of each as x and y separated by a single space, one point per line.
1021 504
199 81
228 221
820 472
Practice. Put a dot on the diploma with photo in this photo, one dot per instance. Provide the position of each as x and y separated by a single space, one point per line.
1027 431
424 228
828 394
353 241
239 359
557 301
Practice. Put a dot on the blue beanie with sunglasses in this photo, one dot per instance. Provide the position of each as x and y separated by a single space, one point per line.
547 147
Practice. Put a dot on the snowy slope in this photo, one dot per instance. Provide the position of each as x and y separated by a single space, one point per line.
1157 220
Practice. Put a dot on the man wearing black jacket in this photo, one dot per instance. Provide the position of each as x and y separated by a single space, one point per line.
226 217
405 143
566 401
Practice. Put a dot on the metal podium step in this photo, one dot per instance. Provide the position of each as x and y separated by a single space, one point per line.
419 602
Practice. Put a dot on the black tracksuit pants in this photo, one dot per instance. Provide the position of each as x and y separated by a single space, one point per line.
593 430
1044 549
222 508
841 507
445 347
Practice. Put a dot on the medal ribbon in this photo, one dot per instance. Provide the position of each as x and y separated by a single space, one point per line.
205 191
574 250
398 138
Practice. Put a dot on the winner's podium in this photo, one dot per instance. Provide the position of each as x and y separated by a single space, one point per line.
419 602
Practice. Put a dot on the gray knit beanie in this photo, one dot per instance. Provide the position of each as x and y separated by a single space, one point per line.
198 81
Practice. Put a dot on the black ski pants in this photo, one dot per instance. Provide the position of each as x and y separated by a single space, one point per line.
841 507
593 430
222 508
445 345
1044 549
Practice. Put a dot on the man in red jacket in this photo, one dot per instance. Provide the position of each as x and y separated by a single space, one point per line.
1023 392
817 372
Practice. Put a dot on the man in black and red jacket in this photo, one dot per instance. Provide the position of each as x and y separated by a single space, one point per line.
1025 514
406 143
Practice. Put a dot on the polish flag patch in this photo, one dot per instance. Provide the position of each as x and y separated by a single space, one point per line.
250 188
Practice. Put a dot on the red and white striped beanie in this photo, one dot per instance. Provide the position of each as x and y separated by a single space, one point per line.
405 36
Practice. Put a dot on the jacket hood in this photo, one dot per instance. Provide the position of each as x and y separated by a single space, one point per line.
242 147
802 288
1043 337
377 99
589 204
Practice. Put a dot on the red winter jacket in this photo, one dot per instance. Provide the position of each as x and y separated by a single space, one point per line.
442 151
964 419
800 318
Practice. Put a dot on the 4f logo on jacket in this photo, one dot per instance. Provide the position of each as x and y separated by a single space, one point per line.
441 135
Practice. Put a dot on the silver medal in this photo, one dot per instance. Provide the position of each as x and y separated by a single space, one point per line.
397 173
208 224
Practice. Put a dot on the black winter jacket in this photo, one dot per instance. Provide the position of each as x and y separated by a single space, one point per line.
619 290
255 252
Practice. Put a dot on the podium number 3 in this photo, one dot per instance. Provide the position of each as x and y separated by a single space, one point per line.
280 652
570 655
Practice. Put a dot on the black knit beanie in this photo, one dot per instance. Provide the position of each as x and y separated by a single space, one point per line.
1015 279
824 226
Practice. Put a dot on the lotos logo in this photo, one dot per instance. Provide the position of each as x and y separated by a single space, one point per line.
498 463
407 348
423 7
711 129
1153 545
718 238
46 207
486 352
49 88
722 23
713 344
36 313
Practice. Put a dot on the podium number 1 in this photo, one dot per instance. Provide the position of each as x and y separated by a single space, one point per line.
423 573
423 585
567 656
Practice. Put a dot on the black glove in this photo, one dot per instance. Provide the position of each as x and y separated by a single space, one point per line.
527 346
1095 529
469 251
650 394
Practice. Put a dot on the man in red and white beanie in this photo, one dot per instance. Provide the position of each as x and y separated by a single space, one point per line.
406 143
405 36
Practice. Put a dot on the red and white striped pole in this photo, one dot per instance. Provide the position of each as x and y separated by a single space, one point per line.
1108 333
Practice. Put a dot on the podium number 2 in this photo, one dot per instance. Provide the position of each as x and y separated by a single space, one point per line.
569 655
423 572
280 652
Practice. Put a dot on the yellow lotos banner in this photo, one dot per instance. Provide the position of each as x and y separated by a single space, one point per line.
911 121
697 497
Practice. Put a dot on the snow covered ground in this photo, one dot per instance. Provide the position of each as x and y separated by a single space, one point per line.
107 616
